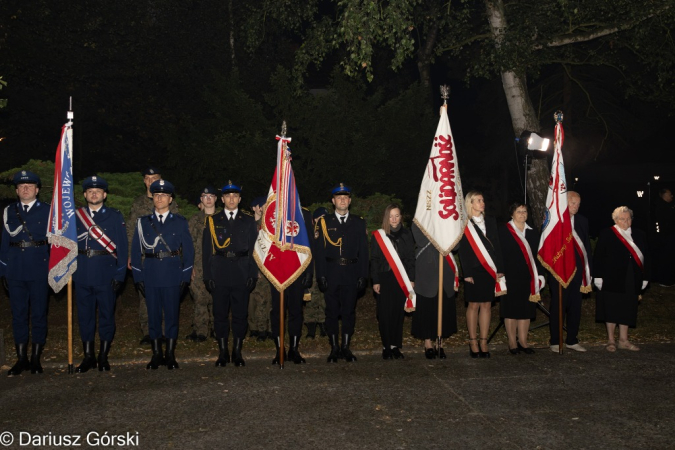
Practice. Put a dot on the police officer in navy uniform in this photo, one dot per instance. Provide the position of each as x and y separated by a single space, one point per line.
293 300
24 264
101 269
341 269
162 257
230 272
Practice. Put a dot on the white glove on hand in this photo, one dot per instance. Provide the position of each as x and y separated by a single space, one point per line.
598 283
644 284
542 282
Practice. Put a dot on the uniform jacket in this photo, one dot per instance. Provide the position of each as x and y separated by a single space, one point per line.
196 225
165 272
611 260
142 206
30 263
426 268
100 270
236 270
354 247
470 262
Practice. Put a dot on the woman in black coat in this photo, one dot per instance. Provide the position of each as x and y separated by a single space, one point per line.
391 298
479 286
524 274
621 269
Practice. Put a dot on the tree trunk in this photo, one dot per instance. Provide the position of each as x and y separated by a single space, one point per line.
234 61
424 60
523 116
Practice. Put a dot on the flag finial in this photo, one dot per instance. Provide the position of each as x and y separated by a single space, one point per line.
70 115
283 128
558 116
445 93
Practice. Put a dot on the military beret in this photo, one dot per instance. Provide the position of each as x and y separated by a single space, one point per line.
259 201
26 177
318 212
209 190
161 186
341 189
151 171
230 187
94 182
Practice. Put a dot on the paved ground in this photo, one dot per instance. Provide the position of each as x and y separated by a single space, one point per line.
595 400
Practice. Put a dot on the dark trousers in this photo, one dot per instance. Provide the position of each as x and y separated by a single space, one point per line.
390 313
224 299
293 304
88 299
29 299
341 302
164 300
571 309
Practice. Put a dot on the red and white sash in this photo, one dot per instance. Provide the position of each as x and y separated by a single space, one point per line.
630 245
397 267
96 232
581 251
535 285
451 260
484 258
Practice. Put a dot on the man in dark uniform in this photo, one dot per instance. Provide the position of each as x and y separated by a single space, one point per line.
315 305
101 269
142 206
341 269
293 299
230 272
162 258
24 264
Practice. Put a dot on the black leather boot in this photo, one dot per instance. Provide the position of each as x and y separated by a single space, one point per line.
21 360
277 344
224 353
236 353
311 330
157 355
346 353
89 361
103 351
334 349
293 353
35 366
322 329
170 354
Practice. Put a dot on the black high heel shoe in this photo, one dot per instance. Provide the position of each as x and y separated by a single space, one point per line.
526 350
471 352
481 353
430 353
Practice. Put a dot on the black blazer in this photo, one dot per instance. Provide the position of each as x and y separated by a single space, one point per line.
611 260
405 247
516 267
470 262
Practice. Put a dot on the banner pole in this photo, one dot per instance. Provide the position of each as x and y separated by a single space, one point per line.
560 319
440 299
70 325
281 329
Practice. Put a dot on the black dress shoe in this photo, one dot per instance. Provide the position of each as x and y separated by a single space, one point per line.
514 351
387 354
441 353
526 350
192 336
397 353
253 333
200 338
146 340
430 353
261 337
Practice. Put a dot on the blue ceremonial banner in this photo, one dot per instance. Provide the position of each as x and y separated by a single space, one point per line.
62 230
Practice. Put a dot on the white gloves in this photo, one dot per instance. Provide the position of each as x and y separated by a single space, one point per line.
644 284
542 282
598 283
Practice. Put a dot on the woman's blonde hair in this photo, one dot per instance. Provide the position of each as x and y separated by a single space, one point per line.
469 199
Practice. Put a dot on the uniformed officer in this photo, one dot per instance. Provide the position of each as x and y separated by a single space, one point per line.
230 272
162 257
315 305
101 269
24 264
341 269
260 300
202 319
142 206
293 300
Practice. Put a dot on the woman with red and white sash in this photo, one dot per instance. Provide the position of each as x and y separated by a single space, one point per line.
621 269
392 268
525 274
481 258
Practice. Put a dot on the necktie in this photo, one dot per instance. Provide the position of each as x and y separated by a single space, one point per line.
93 214
231 217
25 208
342 220
161 218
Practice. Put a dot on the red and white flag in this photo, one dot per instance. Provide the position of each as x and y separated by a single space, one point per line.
440 213
282 250
556 247
62 229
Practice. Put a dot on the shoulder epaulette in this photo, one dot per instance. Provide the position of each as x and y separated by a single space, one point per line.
248 213
306 209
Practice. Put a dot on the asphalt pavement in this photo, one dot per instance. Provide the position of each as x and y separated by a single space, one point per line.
593 400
